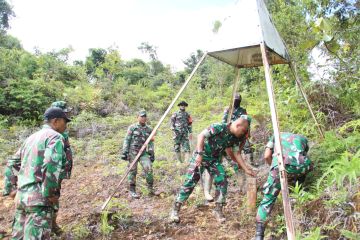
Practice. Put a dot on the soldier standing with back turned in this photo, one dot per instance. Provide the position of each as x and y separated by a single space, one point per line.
69 162
33 174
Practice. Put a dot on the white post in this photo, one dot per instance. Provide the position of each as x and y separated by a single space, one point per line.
154 130
278 148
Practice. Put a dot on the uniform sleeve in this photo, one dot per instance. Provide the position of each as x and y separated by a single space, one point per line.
12 168
53 165
270 143
214 129
127 140
151 148
172 121
190 121
69 157
244 111
225 115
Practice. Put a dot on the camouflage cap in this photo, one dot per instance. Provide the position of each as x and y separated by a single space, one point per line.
62 105
183 103
55 112
142 113
246 117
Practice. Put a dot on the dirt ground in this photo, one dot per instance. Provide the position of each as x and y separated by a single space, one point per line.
144 218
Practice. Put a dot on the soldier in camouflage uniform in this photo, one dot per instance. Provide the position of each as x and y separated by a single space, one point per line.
181 125
207 179
297 165
69 161
134 140
212 142
34 173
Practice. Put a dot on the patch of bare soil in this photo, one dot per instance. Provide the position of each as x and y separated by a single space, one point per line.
89 186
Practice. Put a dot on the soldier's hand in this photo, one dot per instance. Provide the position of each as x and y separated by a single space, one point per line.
250 172
54 200
198 160
125 157
190 137
12 194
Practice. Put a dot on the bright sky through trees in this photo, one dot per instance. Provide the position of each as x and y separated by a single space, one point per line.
177 27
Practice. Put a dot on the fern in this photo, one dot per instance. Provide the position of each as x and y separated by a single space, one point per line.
346 168
312 235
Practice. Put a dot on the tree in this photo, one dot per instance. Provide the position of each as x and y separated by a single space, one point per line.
95 59
151 50
5 15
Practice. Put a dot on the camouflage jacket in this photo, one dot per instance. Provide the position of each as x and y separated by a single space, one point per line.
135 139
36 168
181 122
69 157
295 148
217 138
236 114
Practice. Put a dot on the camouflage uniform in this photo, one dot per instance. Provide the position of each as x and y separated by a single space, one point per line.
297 165
134 140
181 125
236 114
35 173
217 138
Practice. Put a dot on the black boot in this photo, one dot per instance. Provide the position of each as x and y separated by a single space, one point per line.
151 190
132 192
174 215
260 229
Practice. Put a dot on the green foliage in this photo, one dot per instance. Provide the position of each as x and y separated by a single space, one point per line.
120 212
301 196
80 230
350 235
312 235
347 168
5 14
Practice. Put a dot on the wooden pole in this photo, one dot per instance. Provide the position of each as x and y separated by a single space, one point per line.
299 84
278 148
152 134
235 87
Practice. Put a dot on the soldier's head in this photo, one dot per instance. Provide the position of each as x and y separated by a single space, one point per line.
237 100
63 105
182 105
56 118
142 117
240 126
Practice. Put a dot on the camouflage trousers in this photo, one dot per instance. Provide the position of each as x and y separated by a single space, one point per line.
272 187
32 223
146 166
215 169
181 140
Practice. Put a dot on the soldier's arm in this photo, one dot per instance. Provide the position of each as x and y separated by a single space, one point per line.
69 157
11 170
269 148
52 167
151 148
239 160
190 121
268 156
172 121
127 141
